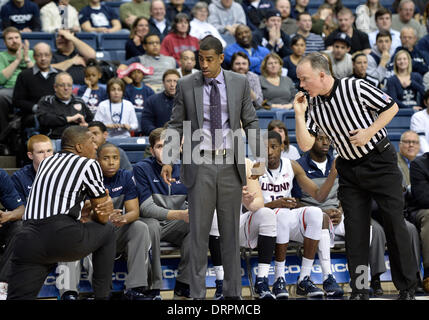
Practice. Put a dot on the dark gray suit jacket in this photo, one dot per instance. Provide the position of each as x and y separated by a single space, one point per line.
188 106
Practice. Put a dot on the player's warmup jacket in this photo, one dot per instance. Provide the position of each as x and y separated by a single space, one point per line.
23 180
156 198
121 188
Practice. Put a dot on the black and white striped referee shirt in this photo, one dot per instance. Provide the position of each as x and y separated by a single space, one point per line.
62 183
353 104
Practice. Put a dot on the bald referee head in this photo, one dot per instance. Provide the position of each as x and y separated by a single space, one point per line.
79 140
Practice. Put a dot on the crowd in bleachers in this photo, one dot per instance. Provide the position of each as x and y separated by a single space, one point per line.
66 62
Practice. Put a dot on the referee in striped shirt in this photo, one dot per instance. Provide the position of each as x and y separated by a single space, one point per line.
51 229
353 114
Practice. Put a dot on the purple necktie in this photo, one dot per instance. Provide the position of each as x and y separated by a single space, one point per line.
215 111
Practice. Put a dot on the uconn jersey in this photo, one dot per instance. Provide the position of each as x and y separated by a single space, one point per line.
277 183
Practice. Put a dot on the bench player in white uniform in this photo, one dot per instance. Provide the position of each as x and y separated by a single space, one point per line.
257 229
306 225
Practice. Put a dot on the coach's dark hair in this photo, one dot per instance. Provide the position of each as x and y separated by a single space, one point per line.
317 61
72 136
99 124
276 123
105 145
274 135
383 33
210 42
155 136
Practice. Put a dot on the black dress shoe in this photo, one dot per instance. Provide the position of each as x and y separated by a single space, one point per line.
406 295
376 287
70 295
359 296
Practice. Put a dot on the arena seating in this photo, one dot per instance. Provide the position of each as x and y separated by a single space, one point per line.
401 121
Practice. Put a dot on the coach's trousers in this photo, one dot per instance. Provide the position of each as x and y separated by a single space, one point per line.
43 243
376 176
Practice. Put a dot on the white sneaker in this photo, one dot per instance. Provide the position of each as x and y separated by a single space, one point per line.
3 290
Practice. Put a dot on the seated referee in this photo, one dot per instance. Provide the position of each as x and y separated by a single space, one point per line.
51 229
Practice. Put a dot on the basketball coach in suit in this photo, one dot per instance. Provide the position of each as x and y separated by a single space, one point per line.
213 101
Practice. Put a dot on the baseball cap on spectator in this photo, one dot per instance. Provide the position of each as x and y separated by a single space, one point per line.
341 36
272 13
135 66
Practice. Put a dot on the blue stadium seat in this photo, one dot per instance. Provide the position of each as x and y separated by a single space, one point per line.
113 41
118 55
89 38
265 116
401 121
129 141
57 145
394 137
114 5
36 37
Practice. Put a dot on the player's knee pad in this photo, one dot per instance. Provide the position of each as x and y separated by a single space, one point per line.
313 220
267 225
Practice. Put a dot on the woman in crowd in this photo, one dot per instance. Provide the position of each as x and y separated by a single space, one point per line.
179 39
278 90
405 87
200 28
134 45
240 63
323 23
365 16
289 151
290 62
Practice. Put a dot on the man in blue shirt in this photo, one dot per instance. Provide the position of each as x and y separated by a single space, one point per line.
10 223
21 14
157 108
164 210
244 43
96 17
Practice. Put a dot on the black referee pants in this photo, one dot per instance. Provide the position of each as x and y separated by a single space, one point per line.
376 176
42 243
7 233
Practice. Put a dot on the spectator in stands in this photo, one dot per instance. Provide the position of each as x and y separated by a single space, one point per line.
366 16
240 63
97 17
59 14
341 59
404 18
179 39
175 7
419 58
419 173
225 16
358 38
158 24
322 21
31 85
405 86
99 130
130 11
244 43
379 57
61 110
383 20
360 66
92 92
137 92
200 27
313 42
419 123
134 45
278 91
423 43
15 59
21 14
132 234
317 164
289 25
152 58
337 5
300 6
271 36
10 222
157 108
187 63
255 12
71 55
288 150
290 62
117 113
164 209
